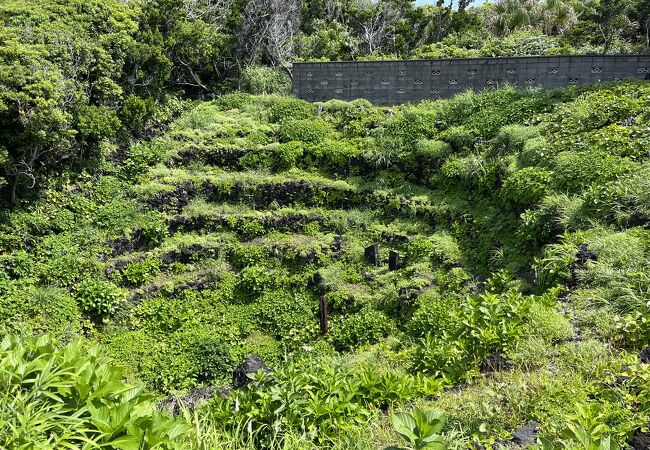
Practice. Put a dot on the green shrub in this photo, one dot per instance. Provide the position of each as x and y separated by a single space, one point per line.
421 430
547 323
573 172
287 109
246 255
434 314
536 152
428 151
365 327
459 137
233 100
285 156
512 138
99 297
96 123
310 131
31 312
334 155
254 280
139 272
586 429
410 126
142 155
195 355
214 359
526 186
281 311
324 401
357 118
266 80
136 111
472 171
445 249
73 397
483 324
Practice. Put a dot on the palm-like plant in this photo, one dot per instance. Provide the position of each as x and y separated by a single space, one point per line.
509 15
560 16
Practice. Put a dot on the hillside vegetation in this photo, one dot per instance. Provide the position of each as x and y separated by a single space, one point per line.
522 291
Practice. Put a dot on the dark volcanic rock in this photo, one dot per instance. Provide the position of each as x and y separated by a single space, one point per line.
174 405
249 365
644 355
526 435
495 362
177 198
337 246
583 256
638 219
185 255
641 441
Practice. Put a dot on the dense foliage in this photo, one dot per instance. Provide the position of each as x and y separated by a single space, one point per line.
81 77
487 256
72 397
520 220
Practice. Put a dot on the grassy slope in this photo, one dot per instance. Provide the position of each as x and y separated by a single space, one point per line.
215 241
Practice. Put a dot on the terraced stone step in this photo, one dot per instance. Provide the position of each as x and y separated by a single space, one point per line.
271 191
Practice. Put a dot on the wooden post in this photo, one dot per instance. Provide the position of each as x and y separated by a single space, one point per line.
371 253
393 260
323 314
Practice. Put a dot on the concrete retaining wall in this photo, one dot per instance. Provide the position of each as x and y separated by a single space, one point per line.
393 82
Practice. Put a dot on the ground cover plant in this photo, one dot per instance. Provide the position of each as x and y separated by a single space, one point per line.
484 258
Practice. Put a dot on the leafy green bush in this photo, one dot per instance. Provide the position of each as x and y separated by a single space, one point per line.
310 131
584 430
233 100
547 323
365 327
512 138
281 311
266 80
286 156
141 156
526 186
536 152
31 312
99 297
484 324
72 397
139 272
410 126
288 109
136 111
429 151
472 171
254 280
574 172
357 118
335 155
321 400
434 314
420 430
459 137
96 123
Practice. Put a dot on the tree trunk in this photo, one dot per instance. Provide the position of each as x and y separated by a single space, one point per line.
14 188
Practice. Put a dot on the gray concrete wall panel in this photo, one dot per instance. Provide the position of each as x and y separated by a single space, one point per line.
394 82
